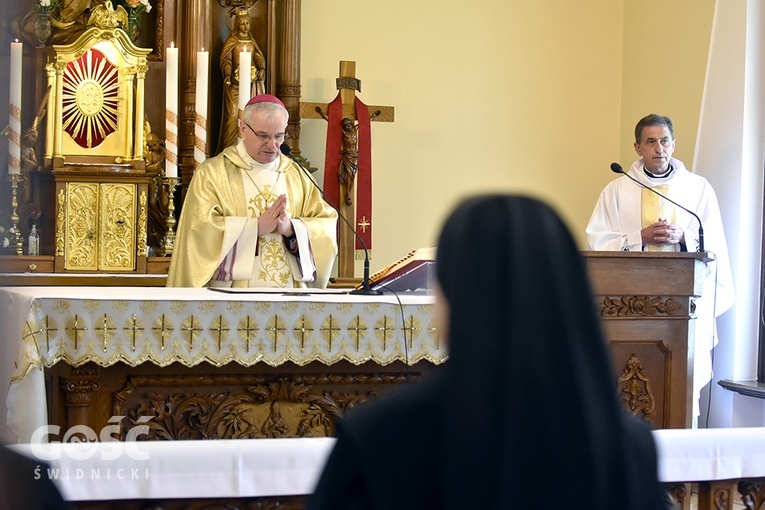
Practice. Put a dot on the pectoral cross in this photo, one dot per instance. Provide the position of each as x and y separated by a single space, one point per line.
348 85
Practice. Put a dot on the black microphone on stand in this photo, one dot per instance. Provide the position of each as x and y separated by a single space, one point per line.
365 288
617 169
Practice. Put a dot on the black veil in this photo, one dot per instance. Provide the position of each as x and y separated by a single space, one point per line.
529 386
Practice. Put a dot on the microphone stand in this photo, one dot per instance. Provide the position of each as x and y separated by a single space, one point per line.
617 169
365 289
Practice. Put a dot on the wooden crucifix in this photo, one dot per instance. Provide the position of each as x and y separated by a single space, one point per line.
348 152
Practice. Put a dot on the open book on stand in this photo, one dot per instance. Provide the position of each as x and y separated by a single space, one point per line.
416 271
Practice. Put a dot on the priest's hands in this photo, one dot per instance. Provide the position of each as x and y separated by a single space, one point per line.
275 218
662 233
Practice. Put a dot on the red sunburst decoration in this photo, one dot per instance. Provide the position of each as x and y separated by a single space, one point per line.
89 102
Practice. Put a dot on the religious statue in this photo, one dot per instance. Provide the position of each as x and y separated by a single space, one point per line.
349 159
67 22
154 155
275 425
349 155
29 161
239 40
106 16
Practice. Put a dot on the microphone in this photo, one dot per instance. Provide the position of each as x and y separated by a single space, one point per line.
365 289
617 169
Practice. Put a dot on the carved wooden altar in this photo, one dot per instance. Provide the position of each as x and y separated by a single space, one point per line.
646 303
204 364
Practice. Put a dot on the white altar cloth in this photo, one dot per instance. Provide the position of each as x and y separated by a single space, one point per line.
237 468
227 468
687 455
42 326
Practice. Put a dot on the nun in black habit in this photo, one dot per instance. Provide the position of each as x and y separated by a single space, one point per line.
524 413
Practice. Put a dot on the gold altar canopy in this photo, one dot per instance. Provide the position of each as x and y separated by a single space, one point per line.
95 145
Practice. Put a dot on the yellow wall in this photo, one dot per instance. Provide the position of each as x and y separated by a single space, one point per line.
502 95
664 73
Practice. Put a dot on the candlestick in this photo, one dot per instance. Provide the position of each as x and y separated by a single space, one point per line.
245 79
200 106
168 242
14 117
14 178
171 112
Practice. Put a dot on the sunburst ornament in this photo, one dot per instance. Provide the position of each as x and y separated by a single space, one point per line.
89 100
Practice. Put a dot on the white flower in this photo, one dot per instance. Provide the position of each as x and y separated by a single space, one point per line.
44 3
147 5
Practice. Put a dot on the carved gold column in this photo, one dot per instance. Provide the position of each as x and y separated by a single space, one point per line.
50 71
140 91
58 68
130 147
289 71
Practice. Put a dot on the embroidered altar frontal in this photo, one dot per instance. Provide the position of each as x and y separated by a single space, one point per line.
58 333
245 329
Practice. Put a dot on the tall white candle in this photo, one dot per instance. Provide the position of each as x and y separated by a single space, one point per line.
245 82
200 101
171 111
14 119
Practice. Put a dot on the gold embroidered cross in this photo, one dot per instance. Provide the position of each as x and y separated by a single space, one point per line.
248 327
163 329
133 328
220 327
329 328
189 326
302 331
411 328
76 328
358 326
363 224
383 329
47 329
273 326
106 330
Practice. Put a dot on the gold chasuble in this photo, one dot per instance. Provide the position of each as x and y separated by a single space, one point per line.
653 208
218 243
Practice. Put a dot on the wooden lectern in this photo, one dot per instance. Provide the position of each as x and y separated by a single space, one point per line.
646 304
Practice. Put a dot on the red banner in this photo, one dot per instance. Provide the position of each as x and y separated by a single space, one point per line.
364 175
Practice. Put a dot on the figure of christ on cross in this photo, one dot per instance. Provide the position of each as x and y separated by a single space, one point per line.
348 157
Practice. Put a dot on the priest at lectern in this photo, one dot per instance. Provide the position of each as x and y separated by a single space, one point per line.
251 217
629 217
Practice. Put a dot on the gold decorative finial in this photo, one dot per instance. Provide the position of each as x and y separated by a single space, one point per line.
104 16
